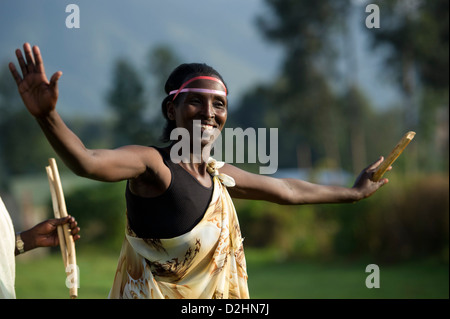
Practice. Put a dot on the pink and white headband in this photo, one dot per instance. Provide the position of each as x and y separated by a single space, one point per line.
183 88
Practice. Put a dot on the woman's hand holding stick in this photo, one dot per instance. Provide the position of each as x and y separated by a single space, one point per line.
395 153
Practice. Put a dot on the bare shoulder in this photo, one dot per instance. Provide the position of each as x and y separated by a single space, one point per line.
146 152
149 156
126 162
156 177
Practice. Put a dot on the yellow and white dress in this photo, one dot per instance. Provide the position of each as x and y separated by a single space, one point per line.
207 262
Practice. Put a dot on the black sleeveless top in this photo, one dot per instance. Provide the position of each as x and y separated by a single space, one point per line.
175 212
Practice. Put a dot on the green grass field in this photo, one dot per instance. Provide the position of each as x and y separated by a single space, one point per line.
44 278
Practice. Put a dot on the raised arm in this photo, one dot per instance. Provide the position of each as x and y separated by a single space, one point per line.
40 97
289 191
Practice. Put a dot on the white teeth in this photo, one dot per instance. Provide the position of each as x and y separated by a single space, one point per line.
204 126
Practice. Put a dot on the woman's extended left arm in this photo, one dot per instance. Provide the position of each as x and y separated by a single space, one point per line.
289 191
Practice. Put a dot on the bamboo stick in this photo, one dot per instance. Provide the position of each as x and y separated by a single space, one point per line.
395 153
69 243
62 240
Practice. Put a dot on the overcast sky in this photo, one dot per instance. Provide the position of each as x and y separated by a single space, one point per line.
221 33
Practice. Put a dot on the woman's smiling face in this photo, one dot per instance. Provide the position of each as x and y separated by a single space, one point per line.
208 108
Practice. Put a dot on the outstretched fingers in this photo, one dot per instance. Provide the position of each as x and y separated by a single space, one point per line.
14 73
29 57
38 60
32 62
22 63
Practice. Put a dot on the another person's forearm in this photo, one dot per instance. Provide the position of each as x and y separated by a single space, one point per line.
28 242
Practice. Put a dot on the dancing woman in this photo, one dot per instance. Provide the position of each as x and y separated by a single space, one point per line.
182 237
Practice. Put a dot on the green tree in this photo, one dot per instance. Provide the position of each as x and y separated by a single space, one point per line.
162 60
127 100
417 33
307 105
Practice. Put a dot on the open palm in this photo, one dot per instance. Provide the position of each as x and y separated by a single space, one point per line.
38 94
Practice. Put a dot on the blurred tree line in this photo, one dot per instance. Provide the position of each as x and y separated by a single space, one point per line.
339 127
321 124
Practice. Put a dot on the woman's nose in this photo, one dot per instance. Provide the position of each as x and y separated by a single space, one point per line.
208 110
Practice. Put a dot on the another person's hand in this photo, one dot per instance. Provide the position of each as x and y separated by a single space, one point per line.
364 183
45 233
38 94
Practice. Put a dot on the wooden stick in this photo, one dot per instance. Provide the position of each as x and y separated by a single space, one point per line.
395 153
62 240
70 244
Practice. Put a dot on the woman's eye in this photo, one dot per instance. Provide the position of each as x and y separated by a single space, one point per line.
219 105
195 101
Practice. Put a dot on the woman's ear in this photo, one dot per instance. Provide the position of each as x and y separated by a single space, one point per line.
170 107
